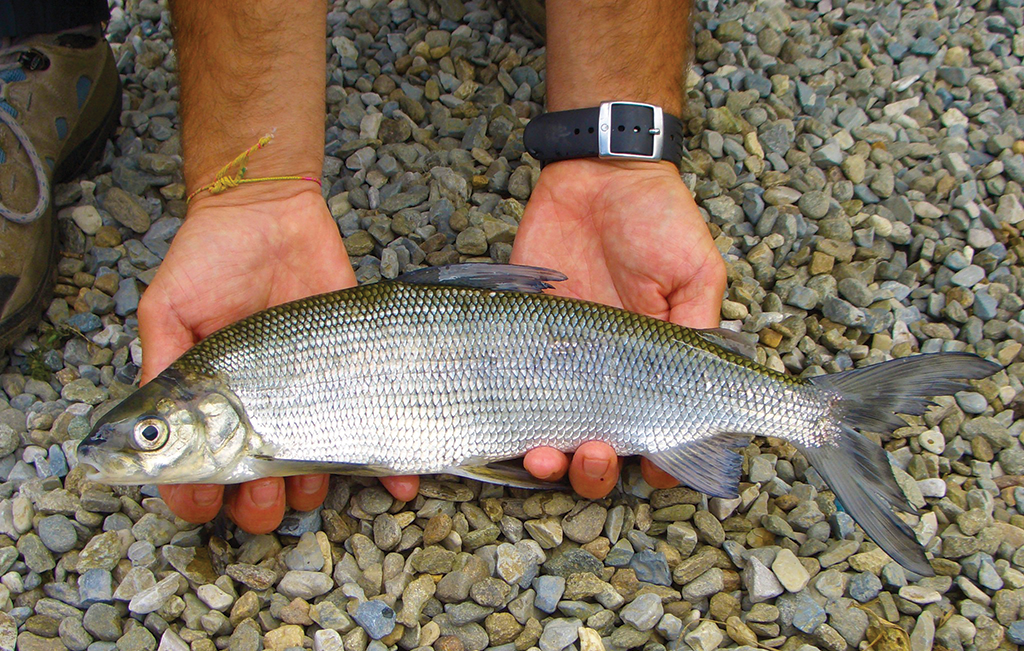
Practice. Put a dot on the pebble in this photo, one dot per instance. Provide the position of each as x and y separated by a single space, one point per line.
760 581
376 618
790 572
651 567
57 533
151 599
304 585
559 634
643 613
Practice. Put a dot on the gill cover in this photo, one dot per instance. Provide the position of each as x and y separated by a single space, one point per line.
181 427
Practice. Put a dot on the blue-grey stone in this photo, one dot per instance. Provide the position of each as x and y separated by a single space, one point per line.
57 461
864 587
1015 632
57 533
573 561
989 578
23 401
968 276
753 205
619 555
296 523
549 591
95 586
756 82
970 402
126 298
651 567
897 50
985 306
85 322
924 46
776 139
376 618
842 525
803 297
808 615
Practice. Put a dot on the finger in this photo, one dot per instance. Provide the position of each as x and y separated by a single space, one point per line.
546 463
306 492
162 334
195 503
594 470
403 487
257 506
655 476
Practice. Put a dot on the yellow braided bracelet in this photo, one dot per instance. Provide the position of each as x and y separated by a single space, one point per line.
232 175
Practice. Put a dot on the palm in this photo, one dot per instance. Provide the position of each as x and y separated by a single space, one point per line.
626 236
231 263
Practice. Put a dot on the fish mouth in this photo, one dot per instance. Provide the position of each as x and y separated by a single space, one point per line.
110 469
93 470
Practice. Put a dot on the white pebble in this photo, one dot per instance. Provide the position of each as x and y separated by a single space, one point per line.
932 487
932 440
214 597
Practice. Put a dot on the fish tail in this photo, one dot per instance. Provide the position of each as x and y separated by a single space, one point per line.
857 469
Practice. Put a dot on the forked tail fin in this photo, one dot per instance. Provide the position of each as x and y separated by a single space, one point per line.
857 469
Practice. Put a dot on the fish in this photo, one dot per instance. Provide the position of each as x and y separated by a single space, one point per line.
453 369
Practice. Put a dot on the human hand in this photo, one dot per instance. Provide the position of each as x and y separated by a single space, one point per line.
236 254
627 234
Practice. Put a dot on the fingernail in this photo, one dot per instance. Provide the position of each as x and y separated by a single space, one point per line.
265 494
311 483
595 468
205 495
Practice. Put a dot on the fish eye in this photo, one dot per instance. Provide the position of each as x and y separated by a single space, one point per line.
150 434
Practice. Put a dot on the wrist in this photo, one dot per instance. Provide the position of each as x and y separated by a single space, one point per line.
291 193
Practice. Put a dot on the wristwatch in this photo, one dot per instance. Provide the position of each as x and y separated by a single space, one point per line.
623 130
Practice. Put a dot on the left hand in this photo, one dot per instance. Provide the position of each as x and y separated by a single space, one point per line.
627 234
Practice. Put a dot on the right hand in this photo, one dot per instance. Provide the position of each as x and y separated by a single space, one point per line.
248 249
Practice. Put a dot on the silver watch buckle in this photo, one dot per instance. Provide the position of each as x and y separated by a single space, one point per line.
604 132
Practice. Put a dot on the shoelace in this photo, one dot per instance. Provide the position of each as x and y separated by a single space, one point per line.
8 120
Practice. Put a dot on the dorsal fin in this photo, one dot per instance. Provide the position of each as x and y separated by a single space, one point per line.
743 344
482 275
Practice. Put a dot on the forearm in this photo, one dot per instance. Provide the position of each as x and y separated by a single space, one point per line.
634 50
247 69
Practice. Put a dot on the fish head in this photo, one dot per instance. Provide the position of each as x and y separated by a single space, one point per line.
182 427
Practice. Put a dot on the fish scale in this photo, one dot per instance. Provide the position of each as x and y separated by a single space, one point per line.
418 378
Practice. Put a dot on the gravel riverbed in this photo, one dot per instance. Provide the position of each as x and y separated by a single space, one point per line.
860 165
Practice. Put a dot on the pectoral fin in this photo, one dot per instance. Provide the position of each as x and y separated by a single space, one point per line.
500 473
743 344
273 467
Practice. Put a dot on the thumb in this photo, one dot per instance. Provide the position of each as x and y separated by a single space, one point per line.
162 333
698 303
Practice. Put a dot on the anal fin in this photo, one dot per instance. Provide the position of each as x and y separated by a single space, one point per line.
709 465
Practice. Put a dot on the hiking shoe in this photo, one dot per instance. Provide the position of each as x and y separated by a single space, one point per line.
60 98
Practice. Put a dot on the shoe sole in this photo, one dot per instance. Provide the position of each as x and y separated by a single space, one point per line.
13 327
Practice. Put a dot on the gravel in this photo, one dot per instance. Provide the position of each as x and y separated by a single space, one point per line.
860 168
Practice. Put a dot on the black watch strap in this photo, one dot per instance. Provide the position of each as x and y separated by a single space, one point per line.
625 130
